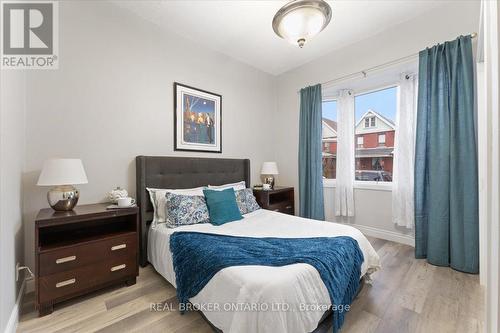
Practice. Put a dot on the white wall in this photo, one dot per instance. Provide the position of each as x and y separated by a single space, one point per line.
372 208
12 118
112 99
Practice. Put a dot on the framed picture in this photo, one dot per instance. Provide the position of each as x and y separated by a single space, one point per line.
197 119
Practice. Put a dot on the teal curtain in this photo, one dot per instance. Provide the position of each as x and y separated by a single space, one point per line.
446 185
310 159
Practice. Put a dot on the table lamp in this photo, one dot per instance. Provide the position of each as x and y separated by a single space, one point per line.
62 173
269 169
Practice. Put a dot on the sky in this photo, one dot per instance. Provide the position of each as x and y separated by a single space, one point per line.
382 101
199 104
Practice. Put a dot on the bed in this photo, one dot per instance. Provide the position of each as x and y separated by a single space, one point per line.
233 287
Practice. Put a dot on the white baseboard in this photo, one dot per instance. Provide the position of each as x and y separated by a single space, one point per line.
14 315
385 234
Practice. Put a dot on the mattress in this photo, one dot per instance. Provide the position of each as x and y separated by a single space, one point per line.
287 299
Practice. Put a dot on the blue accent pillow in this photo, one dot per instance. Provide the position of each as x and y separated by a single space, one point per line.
222 206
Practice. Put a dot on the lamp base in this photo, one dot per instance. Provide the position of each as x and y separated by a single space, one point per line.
63 198
269 180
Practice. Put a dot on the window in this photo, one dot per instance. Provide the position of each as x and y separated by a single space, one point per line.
329 139
370 121
360 142
381 139
375 115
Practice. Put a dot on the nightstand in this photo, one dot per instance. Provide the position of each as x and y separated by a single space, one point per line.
83 250
280 199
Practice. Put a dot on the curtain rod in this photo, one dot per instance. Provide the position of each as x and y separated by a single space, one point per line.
375 68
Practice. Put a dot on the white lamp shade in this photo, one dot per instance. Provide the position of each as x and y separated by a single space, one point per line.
269 168
62 171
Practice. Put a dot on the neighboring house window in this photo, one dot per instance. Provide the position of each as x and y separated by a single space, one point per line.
360 142
329 158
370 122
381 139
374 153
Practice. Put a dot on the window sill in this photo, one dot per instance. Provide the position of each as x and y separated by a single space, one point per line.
329 183
360 185
374 186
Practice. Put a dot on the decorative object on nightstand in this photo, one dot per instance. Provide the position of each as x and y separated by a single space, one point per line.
116 194
269 170
123 203
62 173
279 199
83 250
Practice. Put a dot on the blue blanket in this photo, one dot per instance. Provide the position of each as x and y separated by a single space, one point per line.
197 257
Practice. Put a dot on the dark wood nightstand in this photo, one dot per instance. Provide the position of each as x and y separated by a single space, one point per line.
280 199
83 250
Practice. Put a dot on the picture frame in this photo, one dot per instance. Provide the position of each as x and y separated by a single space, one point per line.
197 120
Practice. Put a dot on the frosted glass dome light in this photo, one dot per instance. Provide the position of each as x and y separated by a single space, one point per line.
300 20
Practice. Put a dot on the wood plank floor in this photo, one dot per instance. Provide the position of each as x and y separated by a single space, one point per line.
407 295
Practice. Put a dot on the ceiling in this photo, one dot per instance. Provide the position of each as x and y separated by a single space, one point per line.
242 29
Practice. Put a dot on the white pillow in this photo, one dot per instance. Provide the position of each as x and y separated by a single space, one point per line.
236 186
158 200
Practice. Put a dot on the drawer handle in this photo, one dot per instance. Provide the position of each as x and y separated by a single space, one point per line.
117 268
65 283
65 259
118 247
288 207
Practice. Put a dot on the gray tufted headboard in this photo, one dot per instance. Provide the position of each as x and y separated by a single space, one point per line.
178 173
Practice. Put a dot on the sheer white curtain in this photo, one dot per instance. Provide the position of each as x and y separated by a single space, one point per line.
344 196
404 153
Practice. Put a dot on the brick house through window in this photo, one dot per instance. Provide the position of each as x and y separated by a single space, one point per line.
377 148
329 129
374 145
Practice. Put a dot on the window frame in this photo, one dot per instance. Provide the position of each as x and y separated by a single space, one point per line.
358 184
381 143
374 185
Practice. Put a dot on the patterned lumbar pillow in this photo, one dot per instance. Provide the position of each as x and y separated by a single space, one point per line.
185 209
241 200
158 201
246 201
250 201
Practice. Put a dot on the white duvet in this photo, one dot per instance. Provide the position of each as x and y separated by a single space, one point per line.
260 298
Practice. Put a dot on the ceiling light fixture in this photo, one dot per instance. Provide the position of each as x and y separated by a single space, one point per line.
300 20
